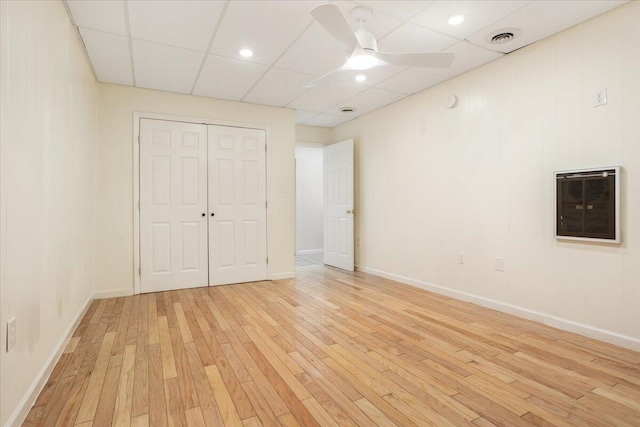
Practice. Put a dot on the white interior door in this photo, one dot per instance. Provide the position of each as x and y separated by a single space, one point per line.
173 205
338 205
237 205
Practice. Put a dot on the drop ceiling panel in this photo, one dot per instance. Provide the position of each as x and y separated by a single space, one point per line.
278 87
372 99
226 78
328 120
315 52
109 55
322 98
163 67
303 116
542 18
400 8
170 41
373 76
413 80
99 15
266 27
478 14
413 38
186 24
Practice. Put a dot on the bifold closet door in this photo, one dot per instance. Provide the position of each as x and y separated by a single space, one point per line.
237 205
173 205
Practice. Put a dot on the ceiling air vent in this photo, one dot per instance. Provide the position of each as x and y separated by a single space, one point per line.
347 110
502 36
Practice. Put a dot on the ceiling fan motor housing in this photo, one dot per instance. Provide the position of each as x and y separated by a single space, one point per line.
366 39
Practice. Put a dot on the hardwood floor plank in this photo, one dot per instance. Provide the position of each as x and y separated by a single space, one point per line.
106 405
92 396
194 417
157 406
226 407
329 348
185 378
207 402
140 421
124 400
140 404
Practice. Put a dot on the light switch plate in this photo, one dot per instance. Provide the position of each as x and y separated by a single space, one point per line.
499 264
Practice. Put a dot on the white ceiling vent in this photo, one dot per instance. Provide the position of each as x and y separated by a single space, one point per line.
504 35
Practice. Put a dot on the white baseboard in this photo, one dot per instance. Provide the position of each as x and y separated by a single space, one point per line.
310 251
113 293
22 410
282 276
537 316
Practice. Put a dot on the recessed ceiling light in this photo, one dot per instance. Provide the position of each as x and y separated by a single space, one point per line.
246 53
361 77
456 19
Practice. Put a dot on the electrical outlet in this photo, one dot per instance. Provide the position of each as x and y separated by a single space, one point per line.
461 258
600 97
11 333
499 264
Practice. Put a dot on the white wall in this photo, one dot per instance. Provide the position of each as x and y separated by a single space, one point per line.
47 191
313 134
432 182
309 200
114 249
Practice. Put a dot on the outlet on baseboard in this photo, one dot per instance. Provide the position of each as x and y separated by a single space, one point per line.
499 264
11 333
461 258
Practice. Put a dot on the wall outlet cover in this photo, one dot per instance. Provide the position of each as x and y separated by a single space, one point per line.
600 97
11 333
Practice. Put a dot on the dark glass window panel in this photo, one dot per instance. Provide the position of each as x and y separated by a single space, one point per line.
598 201
572 207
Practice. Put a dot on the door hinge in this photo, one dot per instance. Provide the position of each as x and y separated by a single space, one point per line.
139 271
266 206
265 148
138 138
267 260
138 204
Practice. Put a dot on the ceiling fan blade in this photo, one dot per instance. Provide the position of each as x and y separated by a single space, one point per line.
326 77
425 59
330 17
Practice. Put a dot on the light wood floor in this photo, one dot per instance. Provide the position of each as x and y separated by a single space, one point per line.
332 349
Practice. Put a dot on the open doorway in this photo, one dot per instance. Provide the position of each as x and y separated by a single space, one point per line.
309 243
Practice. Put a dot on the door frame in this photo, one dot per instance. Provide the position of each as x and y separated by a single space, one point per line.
137 116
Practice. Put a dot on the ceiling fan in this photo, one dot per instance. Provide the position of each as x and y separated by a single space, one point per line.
361 47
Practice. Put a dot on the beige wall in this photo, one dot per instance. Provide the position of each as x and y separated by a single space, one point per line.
313 134
117 104
48 184
478 178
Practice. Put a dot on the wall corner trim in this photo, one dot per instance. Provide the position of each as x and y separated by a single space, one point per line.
22 410
525 313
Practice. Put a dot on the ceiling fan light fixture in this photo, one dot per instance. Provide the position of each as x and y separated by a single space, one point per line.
246 53
456 19
361 78
362 62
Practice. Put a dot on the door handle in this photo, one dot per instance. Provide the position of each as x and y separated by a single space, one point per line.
204 214
212 214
